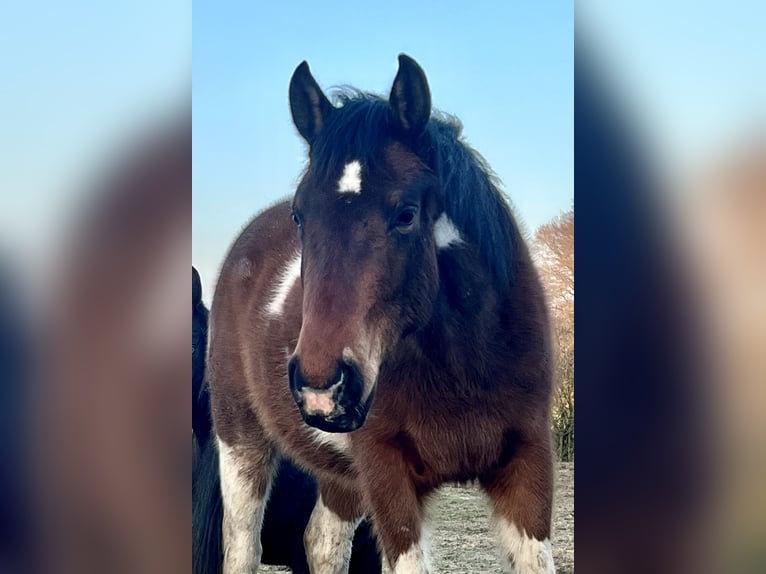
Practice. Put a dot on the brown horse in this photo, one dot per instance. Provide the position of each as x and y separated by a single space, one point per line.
390 338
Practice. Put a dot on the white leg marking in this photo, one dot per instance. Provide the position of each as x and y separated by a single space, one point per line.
445 232
525 555
287 279
416 560
242 515
339 441
327 540
351 180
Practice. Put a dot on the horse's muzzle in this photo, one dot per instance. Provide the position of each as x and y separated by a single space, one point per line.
336 406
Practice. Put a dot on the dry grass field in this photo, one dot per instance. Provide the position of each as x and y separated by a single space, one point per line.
461 542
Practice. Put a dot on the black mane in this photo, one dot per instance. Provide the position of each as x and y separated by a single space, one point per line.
361 126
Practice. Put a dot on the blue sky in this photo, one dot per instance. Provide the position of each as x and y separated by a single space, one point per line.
78 80
506 71
692 73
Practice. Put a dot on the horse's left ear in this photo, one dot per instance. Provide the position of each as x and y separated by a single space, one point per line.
308 104
410 98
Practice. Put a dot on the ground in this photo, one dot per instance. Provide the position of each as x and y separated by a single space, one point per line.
461 542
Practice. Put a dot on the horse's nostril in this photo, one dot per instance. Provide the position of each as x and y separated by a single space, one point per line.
346 374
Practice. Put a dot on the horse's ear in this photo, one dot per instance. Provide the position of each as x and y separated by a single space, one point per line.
196 287
410 98
308 104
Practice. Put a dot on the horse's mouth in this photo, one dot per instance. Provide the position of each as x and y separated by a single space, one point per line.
341 424
339 405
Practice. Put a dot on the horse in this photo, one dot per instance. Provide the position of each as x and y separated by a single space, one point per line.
387 330
292 498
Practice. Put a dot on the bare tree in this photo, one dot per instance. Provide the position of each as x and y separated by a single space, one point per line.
553 250
554 254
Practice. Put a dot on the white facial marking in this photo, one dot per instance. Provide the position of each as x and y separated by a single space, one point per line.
445 232
351 180
318 402
290 274
526 555
242 514
327 540
338 441
321 401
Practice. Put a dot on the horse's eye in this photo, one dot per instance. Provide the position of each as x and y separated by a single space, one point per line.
296 219
406 219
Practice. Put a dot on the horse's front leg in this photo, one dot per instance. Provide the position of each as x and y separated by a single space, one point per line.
246 470
396 509
330 531
521 493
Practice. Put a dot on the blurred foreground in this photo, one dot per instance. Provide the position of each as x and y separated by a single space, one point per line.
670 180
670 325
107 383
95 244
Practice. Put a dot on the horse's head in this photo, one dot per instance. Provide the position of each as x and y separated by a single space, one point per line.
370 219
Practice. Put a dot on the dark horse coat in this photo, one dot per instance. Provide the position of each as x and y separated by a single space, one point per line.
387 330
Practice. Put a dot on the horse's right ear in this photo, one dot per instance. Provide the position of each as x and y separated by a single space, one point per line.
196 287
308 104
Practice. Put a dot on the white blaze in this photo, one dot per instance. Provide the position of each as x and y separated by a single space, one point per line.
351 180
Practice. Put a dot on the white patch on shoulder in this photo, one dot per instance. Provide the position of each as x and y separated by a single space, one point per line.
242 514
290 274
445 232
327 540
526 555
351 180
336 440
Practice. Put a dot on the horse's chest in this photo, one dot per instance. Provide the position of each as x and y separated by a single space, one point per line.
458 449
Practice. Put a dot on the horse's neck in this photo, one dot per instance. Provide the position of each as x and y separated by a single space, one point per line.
466 326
